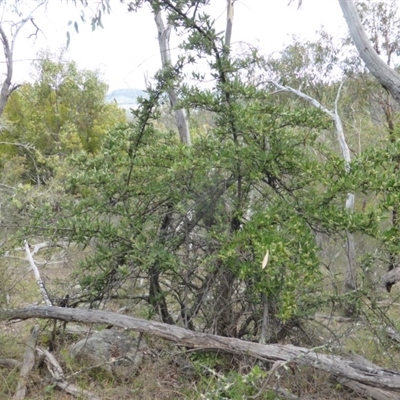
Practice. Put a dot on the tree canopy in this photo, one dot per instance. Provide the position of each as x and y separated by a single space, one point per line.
63 111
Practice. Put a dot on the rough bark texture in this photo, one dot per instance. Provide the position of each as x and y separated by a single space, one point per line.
356 372
385 75
27 365
368 391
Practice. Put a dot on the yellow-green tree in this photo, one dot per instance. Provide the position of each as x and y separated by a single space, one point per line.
63 111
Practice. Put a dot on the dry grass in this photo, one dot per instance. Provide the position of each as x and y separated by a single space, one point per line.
166 373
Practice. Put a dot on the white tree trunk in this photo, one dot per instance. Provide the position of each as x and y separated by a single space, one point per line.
350 273
385 75
229 23
8 49
36 272
181 119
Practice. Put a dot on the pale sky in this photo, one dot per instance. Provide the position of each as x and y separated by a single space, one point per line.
126 50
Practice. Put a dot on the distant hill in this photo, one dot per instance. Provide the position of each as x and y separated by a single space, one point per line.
125 98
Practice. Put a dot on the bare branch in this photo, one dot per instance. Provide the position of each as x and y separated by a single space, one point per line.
8 50
39 281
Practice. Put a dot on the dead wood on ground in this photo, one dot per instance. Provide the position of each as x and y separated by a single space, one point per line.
356 373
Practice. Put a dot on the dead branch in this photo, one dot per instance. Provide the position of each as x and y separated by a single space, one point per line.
8 44
9 363
27 365
368 391
58 375
350 370
39 281
277 364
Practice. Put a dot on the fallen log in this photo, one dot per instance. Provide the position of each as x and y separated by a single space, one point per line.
27 365
368 391
355 373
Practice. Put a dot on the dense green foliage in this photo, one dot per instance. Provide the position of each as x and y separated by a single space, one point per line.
184 229
176 214
64 111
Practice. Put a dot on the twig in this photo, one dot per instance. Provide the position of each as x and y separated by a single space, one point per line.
276 365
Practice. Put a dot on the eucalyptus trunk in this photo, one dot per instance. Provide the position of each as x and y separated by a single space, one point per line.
181 118
383 73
